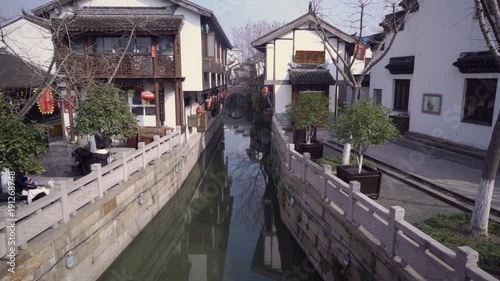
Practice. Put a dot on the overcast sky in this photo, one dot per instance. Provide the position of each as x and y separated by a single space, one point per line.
235 13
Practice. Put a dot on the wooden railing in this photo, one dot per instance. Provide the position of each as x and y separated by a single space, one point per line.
387 228
71 196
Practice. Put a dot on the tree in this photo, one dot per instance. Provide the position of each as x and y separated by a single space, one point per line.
488 14
308 111
104 113
381 43
364 125
20 144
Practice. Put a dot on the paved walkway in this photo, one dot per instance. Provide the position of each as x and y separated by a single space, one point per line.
441 169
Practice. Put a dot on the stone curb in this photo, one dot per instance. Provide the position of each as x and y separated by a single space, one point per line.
453 198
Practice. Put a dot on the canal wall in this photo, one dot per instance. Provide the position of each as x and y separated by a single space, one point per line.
343 232
77 231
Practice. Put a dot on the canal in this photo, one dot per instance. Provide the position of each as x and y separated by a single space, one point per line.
223 224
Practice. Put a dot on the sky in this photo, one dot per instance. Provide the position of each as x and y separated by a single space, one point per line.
235 13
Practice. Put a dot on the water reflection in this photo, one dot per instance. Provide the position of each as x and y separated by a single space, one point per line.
222 225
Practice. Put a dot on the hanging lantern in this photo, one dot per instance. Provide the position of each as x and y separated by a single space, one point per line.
265 90
46 102
215 99
147 96
208 104
199 110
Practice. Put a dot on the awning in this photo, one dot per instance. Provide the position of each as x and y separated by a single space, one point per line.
477 62
401 65
311 77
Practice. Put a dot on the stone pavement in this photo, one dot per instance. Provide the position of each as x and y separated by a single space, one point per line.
445 171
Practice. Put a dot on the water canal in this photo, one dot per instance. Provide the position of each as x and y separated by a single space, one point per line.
223 224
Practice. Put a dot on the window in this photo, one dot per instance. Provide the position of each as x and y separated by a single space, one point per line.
166 46
211 45
377 96
142 45
78 46
401 94
140 107
106 45
479 100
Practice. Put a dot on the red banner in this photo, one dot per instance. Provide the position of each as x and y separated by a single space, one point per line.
46 102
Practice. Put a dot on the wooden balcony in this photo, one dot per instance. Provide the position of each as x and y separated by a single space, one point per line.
132 66
211 65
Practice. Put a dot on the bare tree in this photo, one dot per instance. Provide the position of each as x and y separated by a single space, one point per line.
381 43
488 13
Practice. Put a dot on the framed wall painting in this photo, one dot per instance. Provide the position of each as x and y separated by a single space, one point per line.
431 103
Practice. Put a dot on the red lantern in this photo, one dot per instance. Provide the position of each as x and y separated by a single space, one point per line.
208 104
147 96
46 102
265 90
199 109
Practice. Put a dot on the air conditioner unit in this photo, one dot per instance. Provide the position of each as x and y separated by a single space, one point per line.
194 121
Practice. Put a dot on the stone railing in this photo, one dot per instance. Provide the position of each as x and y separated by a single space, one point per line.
70 196
387 229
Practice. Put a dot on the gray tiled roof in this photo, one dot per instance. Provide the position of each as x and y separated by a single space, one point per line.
111 21
311 76
16 73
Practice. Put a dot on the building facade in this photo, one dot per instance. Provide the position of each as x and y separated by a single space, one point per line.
174 49
440 74
297 61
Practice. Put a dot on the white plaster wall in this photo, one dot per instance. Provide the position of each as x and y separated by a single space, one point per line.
284 55
282 97
30 41
270 61
191 53
445 29
170 111
308 40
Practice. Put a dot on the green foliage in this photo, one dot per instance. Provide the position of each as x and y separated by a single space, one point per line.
364 125
453 232
309 111
20 143
335 161
105 113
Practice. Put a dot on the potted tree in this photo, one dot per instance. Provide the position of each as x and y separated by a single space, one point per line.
104 114
307 112
364 125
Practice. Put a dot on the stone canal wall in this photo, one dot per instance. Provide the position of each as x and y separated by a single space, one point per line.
345 233
78 231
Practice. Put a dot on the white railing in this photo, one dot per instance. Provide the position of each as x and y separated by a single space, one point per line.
70 196
388 229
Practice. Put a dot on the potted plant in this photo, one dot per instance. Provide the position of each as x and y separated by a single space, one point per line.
307 112
364 125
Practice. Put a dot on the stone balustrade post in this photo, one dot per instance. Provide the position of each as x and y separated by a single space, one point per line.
125 167
142 147
354 187
65 206
156 140
396 213
466 257
96 168
170 146
306 158
178 129
291 147
327 170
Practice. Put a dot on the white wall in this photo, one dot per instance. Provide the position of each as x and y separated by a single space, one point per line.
282 97
436 35
170 111
270 61
191 52
124 3
30 41
283 56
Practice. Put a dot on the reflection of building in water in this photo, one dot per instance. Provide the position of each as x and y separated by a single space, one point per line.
187 239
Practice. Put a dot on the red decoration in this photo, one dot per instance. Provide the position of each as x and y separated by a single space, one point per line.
46 102
153 52
199 109
361 51
208 104
265 90
147 96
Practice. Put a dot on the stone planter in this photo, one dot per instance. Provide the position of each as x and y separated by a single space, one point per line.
369 179
402 123
315 149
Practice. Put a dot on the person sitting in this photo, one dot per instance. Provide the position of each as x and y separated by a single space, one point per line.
27 189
